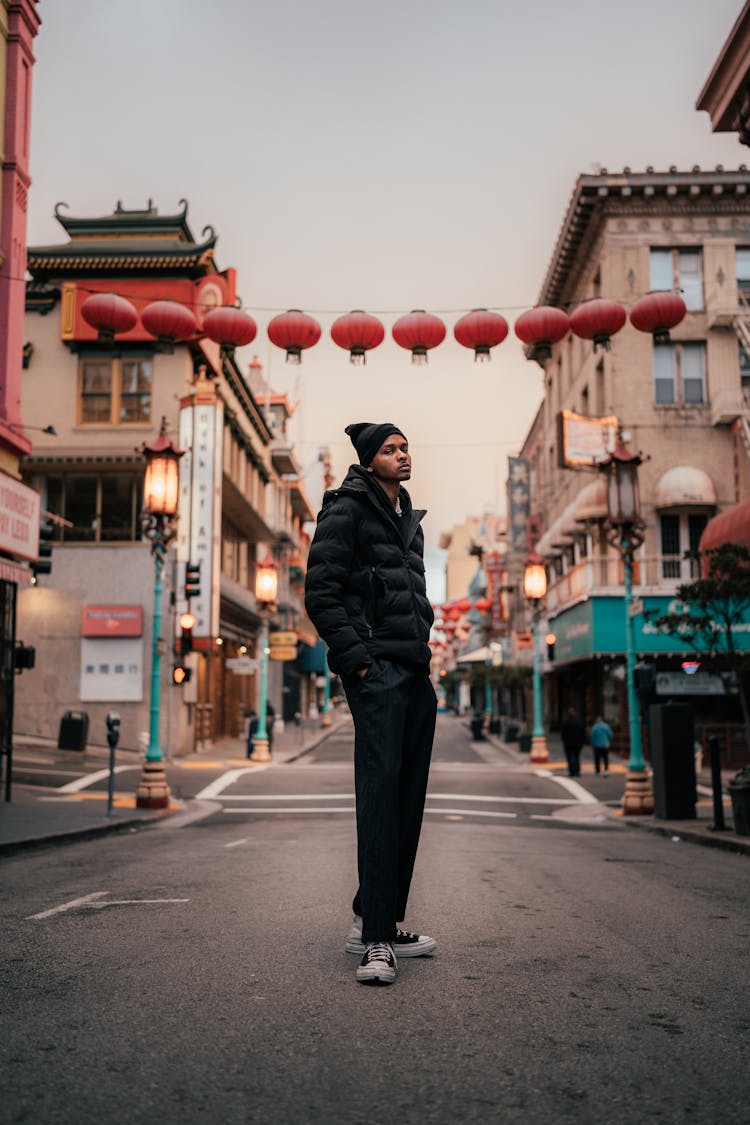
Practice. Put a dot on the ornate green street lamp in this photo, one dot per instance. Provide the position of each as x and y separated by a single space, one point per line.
535 591
266 589
626 535
159 524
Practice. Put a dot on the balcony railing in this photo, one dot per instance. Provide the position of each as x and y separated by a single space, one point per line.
605 575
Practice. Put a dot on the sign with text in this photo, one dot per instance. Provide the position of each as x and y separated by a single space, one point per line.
519 502
199 531
111 669
112 621
282 639
19 518
283 653
583 440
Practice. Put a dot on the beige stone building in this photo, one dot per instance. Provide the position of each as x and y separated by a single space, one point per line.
684 404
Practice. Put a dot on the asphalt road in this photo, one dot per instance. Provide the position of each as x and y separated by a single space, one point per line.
585 972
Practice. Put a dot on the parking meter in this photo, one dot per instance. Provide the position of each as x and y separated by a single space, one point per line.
113 737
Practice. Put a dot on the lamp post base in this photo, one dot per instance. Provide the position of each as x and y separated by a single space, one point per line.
153 790
638 798
539 751
261 751
325 719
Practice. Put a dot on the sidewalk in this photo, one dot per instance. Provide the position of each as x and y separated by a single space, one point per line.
40 816
609 791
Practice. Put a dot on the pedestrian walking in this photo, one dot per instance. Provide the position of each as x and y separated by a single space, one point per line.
600 737
573 734
365 593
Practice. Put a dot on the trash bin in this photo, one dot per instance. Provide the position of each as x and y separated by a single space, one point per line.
672 740
511 732
739 791
74 731
477 725
524 744
494 726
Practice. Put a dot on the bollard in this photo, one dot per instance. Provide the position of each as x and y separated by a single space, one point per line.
715 759
113 737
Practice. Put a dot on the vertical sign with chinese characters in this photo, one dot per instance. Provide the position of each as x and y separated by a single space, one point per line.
519 502
495 568
198 541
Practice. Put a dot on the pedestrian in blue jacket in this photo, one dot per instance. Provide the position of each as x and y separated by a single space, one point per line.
600 737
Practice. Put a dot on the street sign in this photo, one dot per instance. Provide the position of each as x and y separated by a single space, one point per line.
282 640
241 665
279 653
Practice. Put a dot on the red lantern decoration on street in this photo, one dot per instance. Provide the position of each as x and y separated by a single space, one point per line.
418 331
463 605
483 605
449 627
541 327
169 321
357 332
657 313
481 330
598 320
232 328
109 314
294 331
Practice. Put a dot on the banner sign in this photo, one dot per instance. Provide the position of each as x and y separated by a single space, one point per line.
19 518
583 440
199 533
519 502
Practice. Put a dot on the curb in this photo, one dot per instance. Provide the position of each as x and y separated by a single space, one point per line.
729 843
92 831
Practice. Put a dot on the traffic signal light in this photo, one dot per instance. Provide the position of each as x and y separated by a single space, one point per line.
550 642
192 580
181 675
24 657
43 565
187 622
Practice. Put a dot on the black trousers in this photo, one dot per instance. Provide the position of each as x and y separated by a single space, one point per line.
393 709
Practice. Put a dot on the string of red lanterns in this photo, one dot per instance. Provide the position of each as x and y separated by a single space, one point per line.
358 332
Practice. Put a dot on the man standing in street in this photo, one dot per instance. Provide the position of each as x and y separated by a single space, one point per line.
365 593
573 735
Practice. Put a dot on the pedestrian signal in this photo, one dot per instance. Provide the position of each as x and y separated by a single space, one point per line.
550 642
192 580
181 675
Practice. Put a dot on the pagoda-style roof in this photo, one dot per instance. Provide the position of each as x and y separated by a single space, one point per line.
125 242
594 196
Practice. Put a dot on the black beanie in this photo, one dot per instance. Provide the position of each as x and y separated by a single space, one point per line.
367 438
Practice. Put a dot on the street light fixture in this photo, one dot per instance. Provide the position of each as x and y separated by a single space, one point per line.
535 590
266 590
160 495
626 535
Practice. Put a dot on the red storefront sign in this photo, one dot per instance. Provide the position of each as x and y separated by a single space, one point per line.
112 621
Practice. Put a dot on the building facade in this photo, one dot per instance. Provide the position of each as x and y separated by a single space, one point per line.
241 495
684 404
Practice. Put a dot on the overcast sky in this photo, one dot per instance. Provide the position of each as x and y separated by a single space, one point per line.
386 155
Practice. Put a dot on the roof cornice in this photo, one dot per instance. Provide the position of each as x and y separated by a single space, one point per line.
722 92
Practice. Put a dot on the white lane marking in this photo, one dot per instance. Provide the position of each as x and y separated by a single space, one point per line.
335 809
236 843
504 800
74 902
219 784
581 795
289 797
91 779
430 797
133 902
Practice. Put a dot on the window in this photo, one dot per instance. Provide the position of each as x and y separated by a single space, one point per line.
680 533
679 269
742 260
102 507
680 374
115 390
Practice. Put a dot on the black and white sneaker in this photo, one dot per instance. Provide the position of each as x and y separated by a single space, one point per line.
378 965
406 944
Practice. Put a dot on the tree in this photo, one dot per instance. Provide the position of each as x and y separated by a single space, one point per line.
716 607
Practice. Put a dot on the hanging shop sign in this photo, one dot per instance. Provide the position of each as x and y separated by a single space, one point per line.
583 440
283 640
19 518
280 653
519 502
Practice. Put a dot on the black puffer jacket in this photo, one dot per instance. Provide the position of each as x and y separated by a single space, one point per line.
365 589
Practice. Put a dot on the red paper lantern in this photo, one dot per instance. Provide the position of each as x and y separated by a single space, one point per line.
598 320
169 322
541 327
446 607
481 330
418 331
463 605
109 314
483 605
449 627
232 328
294 331
657 313
357 332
